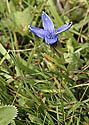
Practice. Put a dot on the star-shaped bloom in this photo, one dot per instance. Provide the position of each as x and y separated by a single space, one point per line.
48 33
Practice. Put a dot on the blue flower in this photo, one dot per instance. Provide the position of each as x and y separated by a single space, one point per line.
49 34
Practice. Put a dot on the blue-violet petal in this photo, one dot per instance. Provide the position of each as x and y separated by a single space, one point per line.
64 28
37 31
47 22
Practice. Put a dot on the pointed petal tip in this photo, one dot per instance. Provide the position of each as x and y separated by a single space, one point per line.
71 23
43 13
29 26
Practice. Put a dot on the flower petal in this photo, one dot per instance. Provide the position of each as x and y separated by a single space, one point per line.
37 31
51 41
64 28
47 22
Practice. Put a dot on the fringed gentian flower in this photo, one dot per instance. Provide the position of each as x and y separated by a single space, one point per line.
49 34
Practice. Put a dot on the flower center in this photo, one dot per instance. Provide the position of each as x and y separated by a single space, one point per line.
50 35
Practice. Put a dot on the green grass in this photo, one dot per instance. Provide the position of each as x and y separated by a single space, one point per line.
49 86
